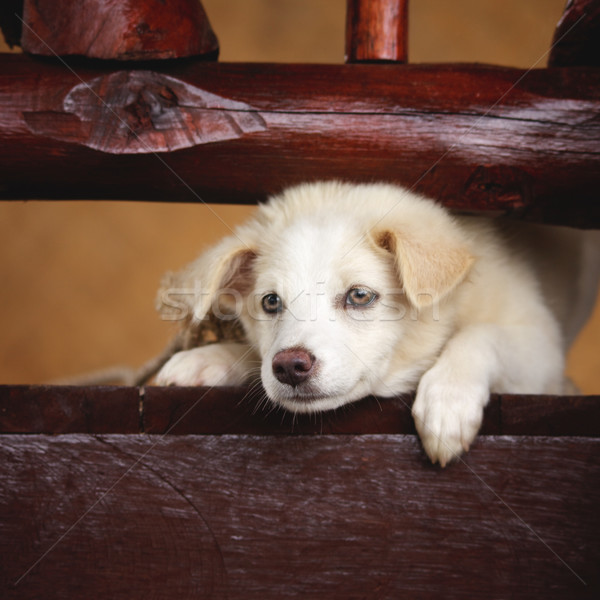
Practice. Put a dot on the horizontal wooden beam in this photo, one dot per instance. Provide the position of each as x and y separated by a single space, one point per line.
473 137
220 411
223 498
260 518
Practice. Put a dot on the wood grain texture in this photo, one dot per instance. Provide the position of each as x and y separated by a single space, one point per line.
117 29
224 411
576 40
182 411
286 517
376 31
473 137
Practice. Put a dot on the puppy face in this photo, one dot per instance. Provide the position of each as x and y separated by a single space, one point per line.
325 313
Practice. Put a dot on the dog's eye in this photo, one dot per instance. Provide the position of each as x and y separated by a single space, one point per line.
360 297
272 304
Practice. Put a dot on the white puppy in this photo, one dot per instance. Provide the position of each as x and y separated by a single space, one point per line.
349 290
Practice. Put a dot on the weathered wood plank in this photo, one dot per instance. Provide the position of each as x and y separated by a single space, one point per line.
181 411
286 517
219 411
474 137
553 416
65 409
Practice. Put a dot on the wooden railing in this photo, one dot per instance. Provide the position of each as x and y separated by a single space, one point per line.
127 492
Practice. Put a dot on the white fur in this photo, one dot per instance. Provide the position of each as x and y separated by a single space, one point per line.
213 365
463 307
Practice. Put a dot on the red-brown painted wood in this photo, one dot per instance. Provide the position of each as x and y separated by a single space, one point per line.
117 29
576 41
337 517
473 137
377 30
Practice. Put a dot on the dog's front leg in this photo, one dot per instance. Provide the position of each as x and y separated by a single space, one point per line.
451 396
218 364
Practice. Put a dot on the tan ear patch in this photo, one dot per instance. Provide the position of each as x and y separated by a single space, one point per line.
429 269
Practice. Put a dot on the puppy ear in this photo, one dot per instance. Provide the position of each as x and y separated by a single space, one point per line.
208 284
429 266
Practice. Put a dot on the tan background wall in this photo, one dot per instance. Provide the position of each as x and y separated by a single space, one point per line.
77 280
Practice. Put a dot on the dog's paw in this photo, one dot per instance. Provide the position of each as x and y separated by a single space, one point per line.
212 365
448 415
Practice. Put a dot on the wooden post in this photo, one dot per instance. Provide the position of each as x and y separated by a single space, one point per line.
376 31
576 40
125 30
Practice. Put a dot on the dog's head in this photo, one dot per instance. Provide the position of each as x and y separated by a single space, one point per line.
338 288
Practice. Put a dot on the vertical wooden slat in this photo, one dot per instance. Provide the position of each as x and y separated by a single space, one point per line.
376 31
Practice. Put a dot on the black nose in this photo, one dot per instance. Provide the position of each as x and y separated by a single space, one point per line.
293 366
